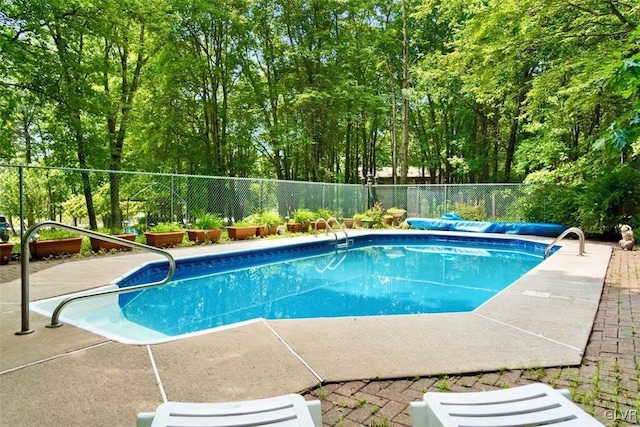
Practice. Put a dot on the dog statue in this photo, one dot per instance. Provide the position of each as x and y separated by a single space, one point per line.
627 238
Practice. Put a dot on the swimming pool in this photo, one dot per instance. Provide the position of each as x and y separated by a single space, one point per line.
379 274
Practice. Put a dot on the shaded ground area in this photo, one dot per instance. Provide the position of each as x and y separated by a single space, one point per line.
11 271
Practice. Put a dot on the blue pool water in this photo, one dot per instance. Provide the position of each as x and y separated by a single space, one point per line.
378 275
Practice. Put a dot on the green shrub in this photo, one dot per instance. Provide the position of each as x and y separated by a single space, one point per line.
208 221
357 217
142 222
598 205
54 233
303 216
470 212
548 203
109 231
323 213
376 214
610 199
253 219
165 227
270 218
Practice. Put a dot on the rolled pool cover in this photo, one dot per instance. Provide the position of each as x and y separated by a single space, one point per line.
452 222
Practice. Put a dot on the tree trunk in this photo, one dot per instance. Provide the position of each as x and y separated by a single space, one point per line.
497 137
27 139
394 120
348 173
83 164
404 168
513 135
117 133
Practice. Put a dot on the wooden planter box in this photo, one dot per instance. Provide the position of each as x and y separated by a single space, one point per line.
272 229
265 230
103 245
200 236
45 248
294 227
319 225
164 240
242 233
262 231
5 251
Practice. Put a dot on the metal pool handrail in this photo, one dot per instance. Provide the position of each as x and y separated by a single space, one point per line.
574 230
335 221
330 228
24 262
327 227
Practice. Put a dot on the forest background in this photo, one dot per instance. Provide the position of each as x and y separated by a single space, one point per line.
329 90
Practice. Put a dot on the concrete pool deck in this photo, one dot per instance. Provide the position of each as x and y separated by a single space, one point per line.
66 376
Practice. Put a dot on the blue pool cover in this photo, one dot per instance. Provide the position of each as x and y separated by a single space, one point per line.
452 222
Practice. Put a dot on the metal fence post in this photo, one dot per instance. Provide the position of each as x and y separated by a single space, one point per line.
446 197
369 191
171 198
261 201
21 186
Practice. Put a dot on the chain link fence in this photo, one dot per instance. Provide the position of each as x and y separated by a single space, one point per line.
491 202
40 193
59 194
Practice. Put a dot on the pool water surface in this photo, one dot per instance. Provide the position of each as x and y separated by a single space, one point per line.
374 275
373 281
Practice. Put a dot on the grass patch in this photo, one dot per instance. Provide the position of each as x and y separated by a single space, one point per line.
322 393
383 423
443 384
360 402
536 374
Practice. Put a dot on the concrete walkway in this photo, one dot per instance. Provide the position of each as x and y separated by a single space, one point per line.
67 376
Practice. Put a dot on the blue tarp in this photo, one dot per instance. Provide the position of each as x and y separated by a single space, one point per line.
452 222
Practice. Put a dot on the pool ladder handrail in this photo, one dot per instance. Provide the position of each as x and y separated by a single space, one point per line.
574 230
329 227
24 262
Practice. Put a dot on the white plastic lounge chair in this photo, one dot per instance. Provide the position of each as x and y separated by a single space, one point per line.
533 404
288 410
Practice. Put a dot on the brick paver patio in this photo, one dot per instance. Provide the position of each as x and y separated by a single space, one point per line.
607 384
